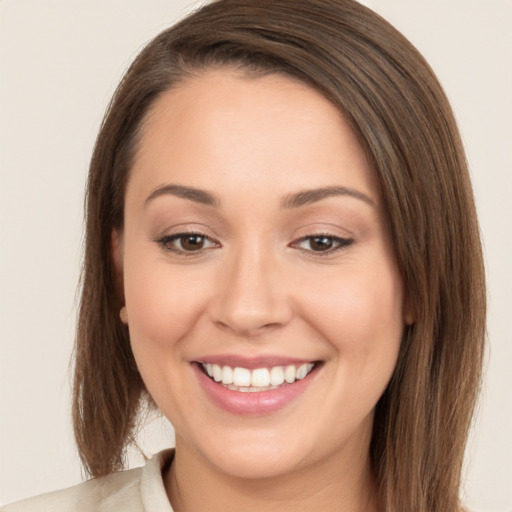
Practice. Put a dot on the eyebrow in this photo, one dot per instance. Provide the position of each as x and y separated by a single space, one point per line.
296 200
193 194
306 197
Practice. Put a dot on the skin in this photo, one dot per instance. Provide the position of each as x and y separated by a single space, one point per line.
258 287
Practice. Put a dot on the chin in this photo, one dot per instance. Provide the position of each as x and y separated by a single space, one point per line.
255 465
256 455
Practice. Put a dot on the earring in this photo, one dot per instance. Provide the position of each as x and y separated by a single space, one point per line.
123 315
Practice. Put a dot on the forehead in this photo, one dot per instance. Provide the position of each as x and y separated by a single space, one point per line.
221 125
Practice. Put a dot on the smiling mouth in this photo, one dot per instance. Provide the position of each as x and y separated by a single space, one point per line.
258 379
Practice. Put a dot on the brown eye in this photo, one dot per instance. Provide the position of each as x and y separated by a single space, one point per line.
191 242
183 243
323 243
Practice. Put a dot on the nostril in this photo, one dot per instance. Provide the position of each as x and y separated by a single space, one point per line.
247 329
249 304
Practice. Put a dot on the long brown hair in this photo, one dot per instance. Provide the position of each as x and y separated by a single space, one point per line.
397 108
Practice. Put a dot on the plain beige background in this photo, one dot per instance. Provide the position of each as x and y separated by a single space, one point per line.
59 63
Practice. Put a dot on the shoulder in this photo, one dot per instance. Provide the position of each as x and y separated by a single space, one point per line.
99 494
126 490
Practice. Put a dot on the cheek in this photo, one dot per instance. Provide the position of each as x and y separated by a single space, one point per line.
360 312
163 303
359 316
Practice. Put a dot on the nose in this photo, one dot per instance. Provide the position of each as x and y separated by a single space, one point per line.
252 297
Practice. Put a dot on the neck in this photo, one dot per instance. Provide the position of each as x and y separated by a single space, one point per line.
336 484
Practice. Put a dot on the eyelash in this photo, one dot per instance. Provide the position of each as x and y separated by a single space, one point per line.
338 243
166 241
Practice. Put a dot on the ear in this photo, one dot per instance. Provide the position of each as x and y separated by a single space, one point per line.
116 250
409 313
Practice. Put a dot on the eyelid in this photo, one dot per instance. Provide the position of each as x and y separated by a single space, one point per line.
165 239
342 243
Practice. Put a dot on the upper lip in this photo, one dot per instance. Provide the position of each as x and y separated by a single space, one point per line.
251 363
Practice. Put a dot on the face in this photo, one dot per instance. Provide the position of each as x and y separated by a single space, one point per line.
264 304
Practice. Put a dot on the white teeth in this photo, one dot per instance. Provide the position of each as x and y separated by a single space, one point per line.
276 376
217 373
260 379
227 375
289 374
302 371
241 377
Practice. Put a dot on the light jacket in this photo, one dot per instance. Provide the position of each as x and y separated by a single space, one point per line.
136 490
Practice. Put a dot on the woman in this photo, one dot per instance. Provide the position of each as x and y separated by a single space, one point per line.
282 255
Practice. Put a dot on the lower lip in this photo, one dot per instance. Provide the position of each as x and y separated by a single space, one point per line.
252 403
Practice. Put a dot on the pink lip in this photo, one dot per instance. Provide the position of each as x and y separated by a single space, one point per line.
259 403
